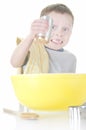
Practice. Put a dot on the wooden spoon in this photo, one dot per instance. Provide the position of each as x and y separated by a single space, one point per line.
24 115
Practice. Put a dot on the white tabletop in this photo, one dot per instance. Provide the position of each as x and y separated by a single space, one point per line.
52 121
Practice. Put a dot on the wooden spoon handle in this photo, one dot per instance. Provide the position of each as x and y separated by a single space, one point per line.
25 115
28 115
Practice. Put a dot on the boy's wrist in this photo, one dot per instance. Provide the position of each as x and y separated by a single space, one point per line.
29 38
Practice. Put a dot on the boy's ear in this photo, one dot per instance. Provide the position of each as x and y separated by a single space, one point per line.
18 40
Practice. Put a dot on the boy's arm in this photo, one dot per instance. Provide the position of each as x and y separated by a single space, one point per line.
21 51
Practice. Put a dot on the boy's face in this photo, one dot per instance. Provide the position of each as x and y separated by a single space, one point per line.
61 31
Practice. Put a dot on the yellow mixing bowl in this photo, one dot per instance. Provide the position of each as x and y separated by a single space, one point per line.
50 91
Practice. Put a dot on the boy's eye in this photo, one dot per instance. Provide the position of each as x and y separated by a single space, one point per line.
54 27
65 29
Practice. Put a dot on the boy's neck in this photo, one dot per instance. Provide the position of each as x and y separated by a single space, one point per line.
61 49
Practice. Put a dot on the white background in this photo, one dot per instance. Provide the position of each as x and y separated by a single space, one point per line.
15 20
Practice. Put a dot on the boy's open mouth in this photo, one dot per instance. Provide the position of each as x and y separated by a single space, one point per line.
57 42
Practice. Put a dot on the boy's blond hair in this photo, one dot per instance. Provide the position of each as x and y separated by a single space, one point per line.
58 8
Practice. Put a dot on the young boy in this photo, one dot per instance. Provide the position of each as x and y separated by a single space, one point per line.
60 60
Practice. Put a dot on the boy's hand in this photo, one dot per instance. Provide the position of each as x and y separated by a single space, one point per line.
38 26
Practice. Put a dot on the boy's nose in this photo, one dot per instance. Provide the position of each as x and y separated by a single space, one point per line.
59 34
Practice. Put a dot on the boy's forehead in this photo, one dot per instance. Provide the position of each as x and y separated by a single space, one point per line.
61 17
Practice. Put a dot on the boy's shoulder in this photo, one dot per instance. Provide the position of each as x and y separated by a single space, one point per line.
70 54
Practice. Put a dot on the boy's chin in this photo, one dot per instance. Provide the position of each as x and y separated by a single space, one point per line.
58 47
